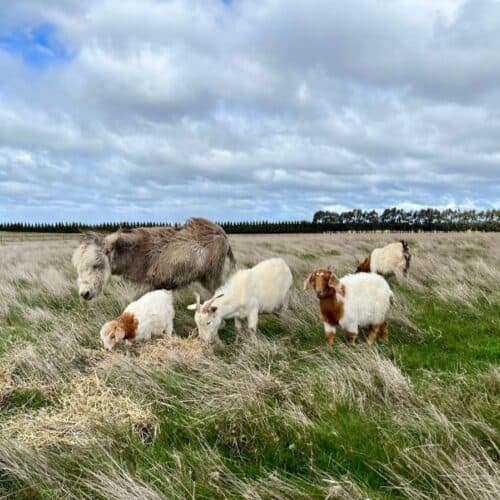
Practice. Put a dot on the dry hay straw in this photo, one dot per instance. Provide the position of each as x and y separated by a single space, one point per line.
170 351
157 354
6 383
82 406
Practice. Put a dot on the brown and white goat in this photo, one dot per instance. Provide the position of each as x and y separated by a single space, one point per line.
353 301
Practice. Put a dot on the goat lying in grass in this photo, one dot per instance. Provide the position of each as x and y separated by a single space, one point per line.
151 315
392 259
354 301
261 289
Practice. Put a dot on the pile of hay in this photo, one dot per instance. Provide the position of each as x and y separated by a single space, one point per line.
82 406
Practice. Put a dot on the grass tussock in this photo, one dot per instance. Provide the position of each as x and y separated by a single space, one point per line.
282 417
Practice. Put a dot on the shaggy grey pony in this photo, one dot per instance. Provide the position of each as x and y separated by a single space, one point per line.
159 257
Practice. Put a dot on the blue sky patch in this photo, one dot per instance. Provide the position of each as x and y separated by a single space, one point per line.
38 46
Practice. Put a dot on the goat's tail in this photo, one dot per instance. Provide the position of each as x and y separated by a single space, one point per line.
230 255
407 256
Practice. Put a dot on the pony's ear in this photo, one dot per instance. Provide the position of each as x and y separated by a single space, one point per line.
118 242
122 244
91 237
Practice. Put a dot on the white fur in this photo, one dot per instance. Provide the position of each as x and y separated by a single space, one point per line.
261 289
154 313
388 260
367 299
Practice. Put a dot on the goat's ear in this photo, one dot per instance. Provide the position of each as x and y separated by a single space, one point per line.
192 307
307 282
333 281
119 334
364 266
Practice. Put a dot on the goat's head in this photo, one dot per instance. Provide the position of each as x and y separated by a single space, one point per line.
207 318
112 333
364 267
323 281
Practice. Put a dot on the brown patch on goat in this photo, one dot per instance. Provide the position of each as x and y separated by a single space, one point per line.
331 309
364 267
128 323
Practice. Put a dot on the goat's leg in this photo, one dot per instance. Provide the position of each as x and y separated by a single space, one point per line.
170 328
372 334
284 307
351 337
383 333
238 324
329 333
253 319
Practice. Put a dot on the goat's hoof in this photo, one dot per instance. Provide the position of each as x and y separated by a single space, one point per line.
329 337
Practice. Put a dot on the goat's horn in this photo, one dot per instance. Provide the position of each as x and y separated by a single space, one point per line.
209 303
198 301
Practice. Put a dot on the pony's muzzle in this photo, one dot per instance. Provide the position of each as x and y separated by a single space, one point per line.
85 294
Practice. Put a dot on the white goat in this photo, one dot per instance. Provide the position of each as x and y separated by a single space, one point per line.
389 260
354 301
151 315
261 289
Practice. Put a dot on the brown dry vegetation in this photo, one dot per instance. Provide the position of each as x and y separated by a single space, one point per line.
285 417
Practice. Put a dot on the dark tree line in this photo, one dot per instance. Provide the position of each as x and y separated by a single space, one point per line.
391 219
397 219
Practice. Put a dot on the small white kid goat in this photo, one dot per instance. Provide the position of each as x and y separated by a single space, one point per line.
151 315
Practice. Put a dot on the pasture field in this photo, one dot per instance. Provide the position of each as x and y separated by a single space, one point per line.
285 417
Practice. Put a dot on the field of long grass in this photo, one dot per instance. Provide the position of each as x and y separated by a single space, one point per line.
285 417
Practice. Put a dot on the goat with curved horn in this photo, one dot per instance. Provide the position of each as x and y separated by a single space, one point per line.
261 289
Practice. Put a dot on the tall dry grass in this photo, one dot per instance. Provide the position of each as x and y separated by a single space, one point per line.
67 406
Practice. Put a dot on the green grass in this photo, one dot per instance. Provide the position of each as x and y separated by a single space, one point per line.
457 338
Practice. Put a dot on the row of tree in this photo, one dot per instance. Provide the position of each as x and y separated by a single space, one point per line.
397 219
391 219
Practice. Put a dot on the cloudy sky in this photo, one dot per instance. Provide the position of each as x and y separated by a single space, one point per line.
244 109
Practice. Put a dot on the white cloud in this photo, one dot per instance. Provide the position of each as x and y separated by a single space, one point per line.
269 110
